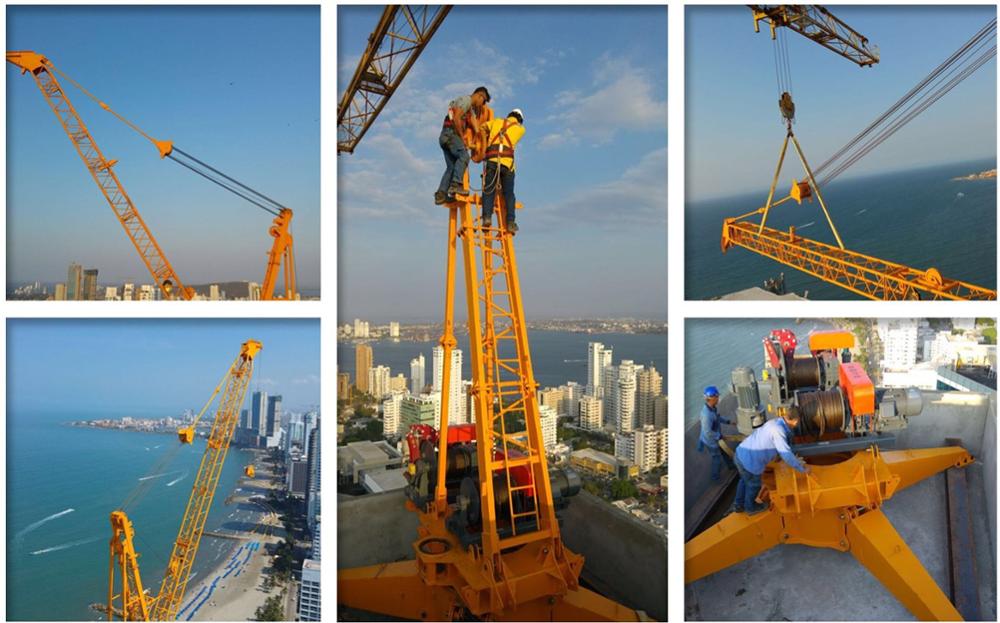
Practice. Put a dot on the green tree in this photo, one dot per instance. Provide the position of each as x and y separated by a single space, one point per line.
272 610
621 489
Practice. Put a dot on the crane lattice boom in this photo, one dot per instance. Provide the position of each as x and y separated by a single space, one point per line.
101 170
818 24
132 603
400 37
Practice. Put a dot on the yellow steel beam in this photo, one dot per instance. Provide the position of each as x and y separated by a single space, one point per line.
400 36
836 506
865 275
877 546
734 539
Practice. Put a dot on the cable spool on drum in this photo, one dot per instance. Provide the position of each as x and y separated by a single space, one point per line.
821 412
803 372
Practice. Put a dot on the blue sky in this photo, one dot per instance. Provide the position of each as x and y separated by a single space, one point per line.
237 87
734 131
592 167
153 366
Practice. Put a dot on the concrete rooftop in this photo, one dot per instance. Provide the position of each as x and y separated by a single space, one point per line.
796 582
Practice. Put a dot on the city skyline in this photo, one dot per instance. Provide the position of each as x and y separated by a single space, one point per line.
732 116
591 168
207 234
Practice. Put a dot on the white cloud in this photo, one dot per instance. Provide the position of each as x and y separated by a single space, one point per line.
623 98
309 379
638 198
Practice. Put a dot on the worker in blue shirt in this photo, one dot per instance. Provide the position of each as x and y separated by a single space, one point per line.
711 431
756 451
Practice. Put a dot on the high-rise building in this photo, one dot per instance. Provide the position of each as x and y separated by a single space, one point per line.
591 413
649 385
598 358
550 425
390 414
645 447
417 410
343 386
213 292
128 291
309 591
454 398
60 294
552 397
417 377
272 427
90 284
624 399
397 383
469 402
362 364
393 329
74 282
899 342
378 381
258 413
572 392
111 293
313 477
660 411
253 291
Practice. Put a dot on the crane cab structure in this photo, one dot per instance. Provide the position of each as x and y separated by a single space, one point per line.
281 259
127 598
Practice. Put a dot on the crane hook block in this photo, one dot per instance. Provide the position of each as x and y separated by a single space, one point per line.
787 106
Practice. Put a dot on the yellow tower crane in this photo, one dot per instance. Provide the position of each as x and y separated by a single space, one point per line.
127 598
862 274
102 171
493 549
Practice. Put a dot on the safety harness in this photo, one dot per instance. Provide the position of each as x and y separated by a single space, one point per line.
497 148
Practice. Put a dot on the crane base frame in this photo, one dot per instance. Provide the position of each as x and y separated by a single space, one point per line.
837 506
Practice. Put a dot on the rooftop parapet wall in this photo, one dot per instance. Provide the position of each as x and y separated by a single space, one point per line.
626 559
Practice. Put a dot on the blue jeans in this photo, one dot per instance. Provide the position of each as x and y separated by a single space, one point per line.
747 489
490 190
718 457
456 158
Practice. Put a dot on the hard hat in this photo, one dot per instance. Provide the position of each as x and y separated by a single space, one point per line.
711 391
517 113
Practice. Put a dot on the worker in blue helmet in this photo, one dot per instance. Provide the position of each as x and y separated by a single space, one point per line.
711 432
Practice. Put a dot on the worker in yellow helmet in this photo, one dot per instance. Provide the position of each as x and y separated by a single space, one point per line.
502 136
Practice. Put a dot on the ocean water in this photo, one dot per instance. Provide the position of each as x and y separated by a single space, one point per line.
557 356
714 346
920 218
62 484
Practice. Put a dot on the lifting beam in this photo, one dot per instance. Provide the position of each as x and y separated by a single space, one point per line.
836 506
520 570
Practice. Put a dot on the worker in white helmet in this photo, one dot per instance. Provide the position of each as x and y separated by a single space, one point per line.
502 135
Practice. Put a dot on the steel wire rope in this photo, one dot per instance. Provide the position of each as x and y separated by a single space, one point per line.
912 111
145 135
947 62
919 107
914 102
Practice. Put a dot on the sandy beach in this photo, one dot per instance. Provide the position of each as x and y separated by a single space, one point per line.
232 591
